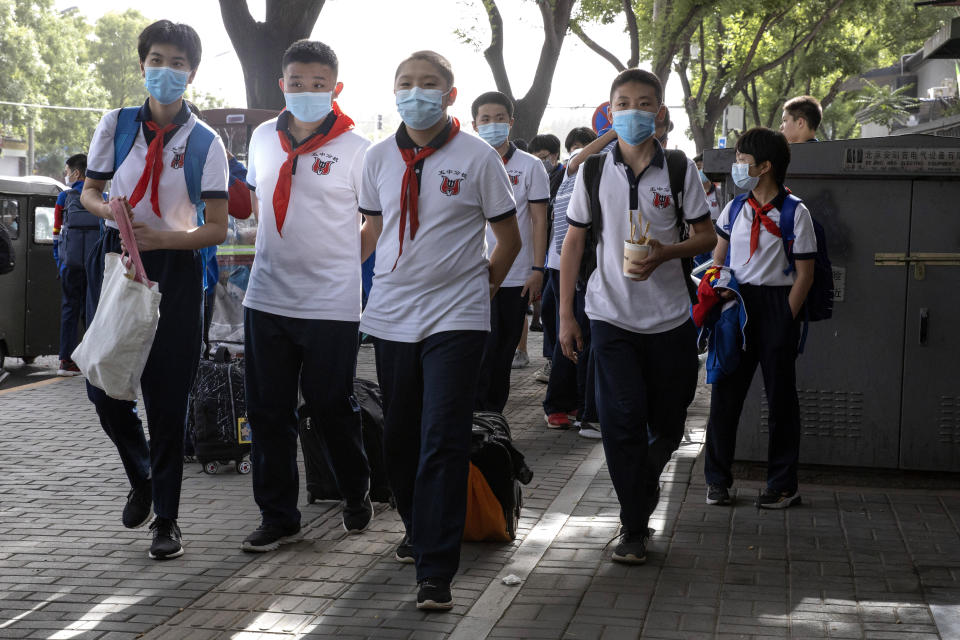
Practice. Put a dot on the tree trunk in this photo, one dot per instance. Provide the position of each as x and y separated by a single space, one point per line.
260 45
528 110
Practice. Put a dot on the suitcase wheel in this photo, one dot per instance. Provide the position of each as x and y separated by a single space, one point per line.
244 467
211 467
310 498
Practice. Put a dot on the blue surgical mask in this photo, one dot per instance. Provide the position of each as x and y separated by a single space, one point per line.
420 108
703 177
166 85
494 133
308 106
740 172
634 126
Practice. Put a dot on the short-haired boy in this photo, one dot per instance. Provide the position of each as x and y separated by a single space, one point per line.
151 182
773 287
800 119
302 306
643 339
75 235
432 190
493 119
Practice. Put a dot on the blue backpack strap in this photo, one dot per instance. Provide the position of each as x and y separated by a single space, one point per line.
736 206
125 134
195 156
787 233
194 159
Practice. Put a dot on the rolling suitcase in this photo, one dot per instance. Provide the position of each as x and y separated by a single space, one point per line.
217 414
321 484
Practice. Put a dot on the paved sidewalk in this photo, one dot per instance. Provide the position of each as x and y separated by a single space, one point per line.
850 563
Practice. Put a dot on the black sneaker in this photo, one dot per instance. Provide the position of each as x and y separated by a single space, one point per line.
166 539
771 499
717 494
136 512
357 517
268 537
404 552
434 595
631 550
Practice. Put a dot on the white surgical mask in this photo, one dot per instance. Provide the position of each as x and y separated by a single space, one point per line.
740 171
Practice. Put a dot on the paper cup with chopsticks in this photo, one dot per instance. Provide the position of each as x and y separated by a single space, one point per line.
636 248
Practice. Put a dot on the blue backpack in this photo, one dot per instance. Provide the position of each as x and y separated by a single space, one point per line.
194 157
819 302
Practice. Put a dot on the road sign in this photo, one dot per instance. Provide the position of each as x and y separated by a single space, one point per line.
722 142
601 120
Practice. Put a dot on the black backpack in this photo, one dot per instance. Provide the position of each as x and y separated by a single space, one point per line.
7 258
592 171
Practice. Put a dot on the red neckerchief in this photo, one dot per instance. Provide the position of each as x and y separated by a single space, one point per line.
281 193
760 216
153 167
410 190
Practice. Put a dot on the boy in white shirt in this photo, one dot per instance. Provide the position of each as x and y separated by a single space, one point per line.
642 337
432 190
302 306
492 119
152 181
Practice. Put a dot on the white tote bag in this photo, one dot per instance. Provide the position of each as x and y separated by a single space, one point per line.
115 348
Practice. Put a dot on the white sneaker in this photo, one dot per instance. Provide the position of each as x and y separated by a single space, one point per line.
589 430
543 373
520 359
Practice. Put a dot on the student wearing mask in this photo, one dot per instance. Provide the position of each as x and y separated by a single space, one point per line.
75 235
302 306
643 339
150 181
492 119
773 287
431 190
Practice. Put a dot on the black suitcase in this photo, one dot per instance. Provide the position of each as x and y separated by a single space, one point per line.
501 464
320 481
217 414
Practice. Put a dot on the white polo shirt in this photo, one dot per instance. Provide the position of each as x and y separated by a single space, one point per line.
661 302
769 261
178 213
531 184
441 282
713 201
312 271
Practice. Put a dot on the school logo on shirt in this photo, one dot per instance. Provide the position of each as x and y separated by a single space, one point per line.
450 181
515 177
322 163
177 162
661 200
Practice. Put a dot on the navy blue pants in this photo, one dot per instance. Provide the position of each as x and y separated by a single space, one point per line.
548 312
166 379
645 382
81 245
571 385
319 357
508 312
772 335
73 286
428 393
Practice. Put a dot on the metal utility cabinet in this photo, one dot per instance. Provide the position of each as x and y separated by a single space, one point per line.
879 383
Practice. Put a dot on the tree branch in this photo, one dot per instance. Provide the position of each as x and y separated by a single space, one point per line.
494 53
634 34
773 64
596 48
237 21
